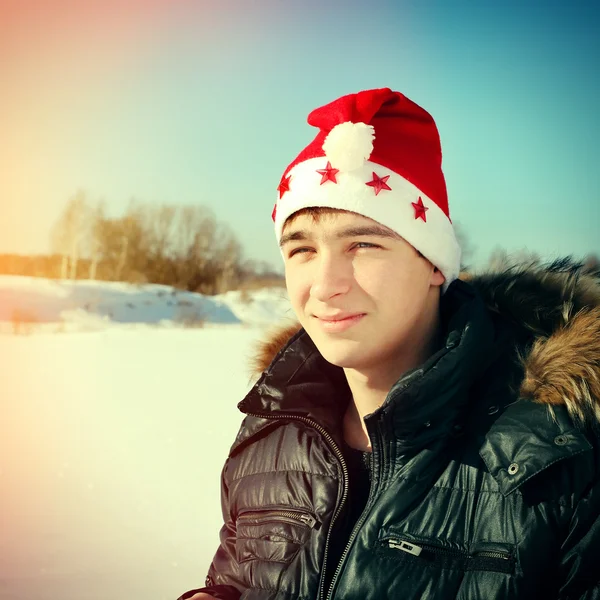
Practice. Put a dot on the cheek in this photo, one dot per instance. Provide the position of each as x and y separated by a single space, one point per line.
380 281
298 289
396 291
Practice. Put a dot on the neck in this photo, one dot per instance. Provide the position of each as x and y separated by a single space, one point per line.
370 386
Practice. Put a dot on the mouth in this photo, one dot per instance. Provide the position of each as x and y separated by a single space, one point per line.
340 322
338 317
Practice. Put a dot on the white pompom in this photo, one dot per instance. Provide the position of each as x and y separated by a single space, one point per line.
348 145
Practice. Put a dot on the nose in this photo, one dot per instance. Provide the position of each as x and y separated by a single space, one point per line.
331 277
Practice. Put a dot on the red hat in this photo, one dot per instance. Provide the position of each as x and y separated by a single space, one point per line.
377 154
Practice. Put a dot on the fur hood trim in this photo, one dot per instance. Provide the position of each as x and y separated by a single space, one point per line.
559 304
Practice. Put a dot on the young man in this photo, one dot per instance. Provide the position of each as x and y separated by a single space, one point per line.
418 436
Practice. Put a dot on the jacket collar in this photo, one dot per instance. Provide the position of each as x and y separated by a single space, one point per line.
429 402
298 383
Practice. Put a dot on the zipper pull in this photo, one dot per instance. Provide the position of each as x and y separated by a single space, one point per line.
308 520
405 546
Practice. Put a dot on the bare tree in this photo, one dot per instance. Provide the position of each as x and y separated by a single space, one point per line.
94 242
122 260
466 247
124 245
500 259
183 246
228 260
69 231
159 228
195 243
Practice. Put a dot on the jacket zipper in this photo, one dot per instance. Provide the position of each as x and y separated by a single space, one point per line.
336 450
357 525
266 515
363 517
416 550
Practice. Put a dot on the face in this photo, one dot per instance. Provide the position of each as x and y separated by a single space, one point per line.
364 295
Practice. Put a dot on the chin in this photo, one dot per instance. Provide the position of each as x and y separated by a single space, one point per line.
344 353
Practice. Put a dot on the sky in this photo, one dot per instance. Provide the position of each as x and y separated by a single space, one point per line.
205 102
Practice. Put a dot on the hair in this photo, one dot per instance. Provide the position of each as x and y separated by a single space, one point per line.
315 212
318 212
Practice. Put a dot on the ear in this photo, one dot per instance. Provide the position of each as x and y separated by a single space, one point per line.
437 277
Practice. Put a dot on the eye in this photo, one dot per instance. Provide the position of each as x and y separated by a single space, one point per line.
300 250
365 245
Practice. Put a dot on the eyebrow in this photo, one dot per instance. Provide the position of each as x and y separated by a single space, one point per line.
365 230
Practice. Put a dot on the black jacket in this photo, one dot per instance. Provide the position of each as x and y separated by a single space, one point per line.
485 465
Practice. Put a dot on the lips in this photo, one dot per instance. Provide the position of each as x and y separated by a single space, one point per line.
339 322
338 317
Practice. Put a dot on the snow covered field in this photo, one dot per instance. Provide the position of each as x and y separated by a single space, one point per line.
116 417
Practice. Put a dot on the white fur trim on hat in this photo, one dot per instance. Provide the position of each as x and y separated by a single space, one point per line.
434 238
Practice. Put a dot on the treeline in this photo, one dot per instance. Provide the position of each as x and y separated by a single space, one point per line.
182 246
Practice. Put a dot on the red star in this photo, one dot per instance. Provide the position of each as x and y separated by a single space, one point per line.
420 210
328 173
274 213
284 186
379 183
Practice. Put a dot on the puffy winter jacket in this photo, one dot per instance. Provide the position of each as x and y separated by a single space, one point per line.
485 464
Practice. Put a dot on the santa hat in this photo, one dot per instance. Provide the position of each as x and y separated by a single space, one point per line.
377 154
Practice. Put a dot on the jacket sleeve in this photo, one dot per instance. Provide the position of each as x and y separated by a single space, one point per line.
580 575
223 580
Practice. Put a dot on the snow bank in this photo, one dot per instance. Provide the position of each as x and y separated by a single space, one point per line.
92 305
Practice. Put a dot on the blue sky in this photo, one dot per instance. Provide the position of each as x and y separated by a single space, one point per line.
187 102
